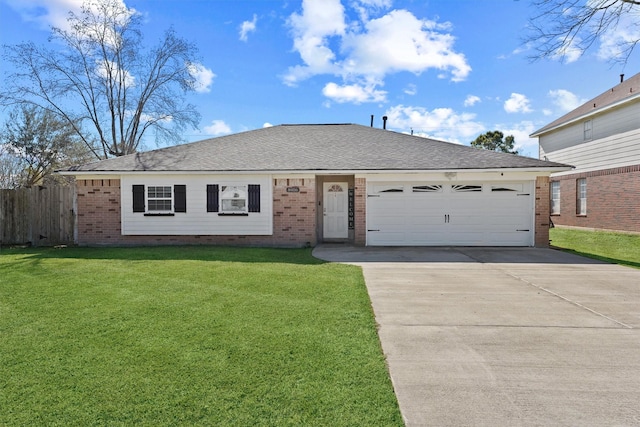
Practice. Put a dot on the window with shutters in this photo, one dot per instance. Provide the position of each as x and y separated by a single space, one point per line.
233 199
159 199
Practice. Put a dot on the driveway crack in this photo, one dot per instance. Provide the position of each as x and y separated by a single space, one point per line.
569 300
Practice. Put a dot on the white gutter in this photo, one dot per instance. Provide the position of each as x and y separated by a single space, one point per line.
550 169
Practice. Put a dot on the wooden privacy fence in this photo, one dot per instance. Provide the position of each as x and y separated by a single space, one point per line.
40 216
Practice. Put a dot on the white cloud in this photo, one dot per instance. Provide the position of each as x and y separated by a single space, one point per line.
267 125
217 127
614 43
376 3
354 93
48 13
565 100
518 103
398 42
570 51
471 100
440 123
105 68
411 89
248 27
521 131
319 21
369 49
203 77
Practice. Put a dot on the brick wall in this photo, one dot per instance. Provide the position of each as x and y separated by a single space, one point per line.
294 223
613 200
542 212
98 211
294 214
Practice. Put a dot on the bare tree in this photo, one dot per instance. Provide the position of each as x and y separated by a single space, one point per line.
35 142
565 28
98 76
11 168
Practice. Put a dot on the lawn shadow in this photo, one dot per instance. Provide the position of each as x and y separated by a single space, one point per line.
601 258
162 253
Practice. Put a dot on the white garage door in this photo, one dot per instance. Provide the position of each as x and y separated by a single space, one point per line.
441 214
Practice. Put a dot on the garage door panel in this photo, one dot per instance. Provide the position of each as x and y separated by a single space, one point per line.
472 214
427 239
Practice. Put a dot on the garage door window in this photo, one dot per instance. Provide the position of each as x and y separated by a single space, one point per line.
466 188
388 188
427 188
506 187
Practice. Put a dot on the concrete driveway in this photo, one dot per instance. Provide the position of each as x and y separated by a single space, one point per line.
505 337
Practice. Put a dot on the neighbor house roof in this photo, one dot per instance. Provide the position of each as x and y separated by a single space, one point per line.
626 91
332 147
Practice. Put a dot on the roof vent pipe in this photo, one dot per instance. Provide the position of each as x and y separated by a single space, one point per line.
372 120
384 122
621 78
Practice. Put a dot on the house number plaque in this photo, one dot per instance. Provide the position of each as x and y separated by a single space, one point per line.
293 189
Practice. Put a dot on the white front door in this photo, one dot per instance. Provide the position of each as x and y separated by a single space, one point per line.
336 210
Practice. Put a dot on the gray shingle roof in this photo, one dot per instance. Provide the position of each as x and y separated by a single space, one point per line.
628 89
315 148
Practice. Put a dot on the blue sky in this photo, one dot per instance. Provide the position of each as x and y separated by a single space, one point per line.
446 69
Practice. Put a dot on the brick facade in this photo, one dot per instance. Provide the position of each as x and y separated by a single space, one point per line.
541 239
98 211
295 216
613 200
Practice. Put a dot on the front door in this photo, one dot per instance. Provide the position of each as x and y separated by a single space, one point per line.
336 210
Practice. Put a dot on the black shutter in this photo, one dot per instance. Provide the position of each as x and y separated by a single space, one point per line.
138 198
254 198
212 198
179 198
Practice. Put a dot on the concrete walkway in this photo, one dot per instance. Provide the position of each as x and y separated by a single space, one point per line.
505 337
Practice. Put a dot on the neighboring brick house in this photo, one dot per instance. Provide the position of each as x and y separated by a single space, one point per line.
298 185
601 138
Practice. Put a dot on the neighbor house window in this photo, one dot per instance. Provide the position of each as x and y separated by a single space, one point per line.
581 196
555 198
233 199
159 199
587 130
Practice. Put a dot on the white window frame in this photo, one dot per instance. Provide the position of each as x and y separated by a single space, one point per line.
581 196
554 197
588 130
234 199
150 199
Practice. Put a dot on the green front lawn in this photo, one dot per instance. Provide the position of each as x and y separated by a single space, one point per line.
187 336
611 247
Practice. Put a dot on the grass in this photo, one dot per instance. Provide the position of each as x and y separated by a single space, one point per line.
187 336
612 247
